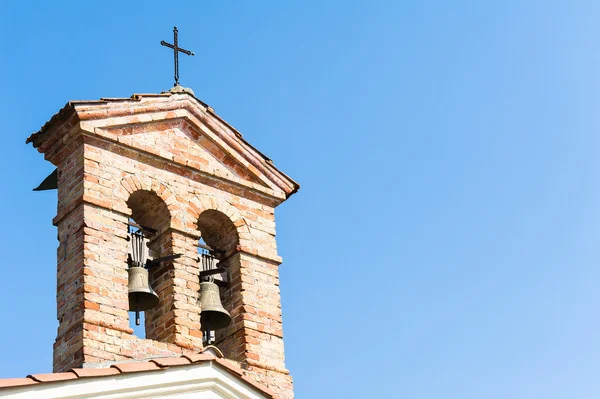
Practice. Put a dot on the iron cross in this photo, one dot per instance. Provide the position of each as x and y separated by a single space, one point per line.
176 50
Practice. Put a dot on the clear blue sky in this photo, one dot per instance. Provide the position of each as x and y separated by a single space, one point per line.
444 243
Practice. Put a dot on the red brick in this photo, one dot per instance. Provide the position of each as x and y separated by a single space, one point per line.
213 186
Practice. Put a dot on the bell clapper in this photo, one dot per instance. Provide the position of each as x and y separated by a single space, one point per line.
208 336
137 313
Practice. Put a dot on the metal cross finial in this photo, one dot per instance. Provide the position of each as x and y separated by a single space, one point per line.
176 50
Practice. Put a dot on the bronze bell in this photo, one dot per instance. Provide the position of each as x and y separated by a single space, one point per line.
213 315
141 295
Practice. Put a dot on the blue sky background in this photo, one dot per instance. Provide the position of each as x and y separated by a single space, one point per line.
444 242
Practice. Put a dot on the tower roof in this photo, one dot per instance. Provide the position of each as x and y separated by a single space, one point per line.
115 118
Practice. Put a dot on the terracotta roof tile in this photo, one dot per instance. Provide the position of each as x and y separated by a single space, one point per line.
82 373
69 109
51 377
135 367
229 365
199 357
115 369
213 350
15 382
171 361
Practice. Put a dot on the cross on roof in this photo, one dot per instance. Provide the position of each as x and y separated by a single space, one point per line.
176 50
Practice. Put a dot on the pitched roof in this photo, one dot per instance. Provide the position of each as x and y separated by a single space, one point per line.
68 114
133 367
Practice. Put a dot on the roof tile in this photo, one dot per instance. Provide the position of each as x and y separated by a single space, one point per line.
15 382
171 361
153 364
199 357
81 373
51 377
135 367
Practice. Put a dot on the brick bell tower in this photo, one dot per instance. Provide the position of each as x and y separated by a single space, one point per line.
169 163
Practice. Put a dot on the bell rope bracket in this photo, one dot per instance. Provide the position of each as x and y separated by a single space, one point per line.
138 249
209 268
138 257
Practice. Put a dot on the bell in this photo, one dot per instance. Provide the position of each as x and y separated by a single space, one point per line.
213 315
141 295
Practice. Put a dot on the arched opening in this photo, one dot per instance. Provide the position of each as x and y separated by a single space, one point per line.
219 239
150 217
218 231
149 210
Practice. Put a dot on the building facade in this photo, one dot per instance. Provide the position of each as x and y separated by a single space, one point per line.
169 164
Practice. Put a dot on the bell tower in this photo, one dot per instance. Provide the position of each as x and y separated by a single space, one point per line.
158 196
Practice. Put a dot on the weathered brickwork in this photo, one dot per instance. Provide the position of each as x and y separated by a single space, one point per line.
169 163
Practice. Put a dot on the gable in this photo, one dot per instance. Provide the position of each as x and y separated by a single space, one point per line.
178 128
182 143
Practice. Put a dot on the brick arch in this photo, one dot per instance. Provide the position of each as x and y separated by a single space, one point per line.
132 183
203 202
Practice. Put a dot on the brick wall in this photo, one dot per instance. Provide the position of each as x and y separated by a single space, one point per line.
171 164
